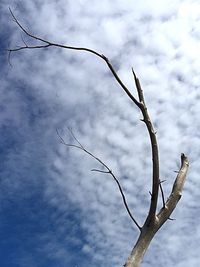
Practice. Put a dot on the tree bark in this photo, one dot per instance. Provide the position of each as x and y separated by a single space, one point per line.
141 246
149 230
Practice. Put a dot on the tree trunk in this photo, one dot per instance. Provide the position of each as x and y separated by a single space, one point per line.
137 254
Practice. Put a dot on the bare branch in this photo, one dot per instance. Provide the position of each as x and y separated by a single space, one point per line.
109 171
23 40
48 44
96 170
171 219
9 54
24 30
72 134
176 192
140 104
138 86
180 179
60 137
27 47
162 193
155 155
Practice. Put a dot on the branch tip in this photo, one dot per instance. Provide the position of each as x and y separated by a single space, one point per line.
171 219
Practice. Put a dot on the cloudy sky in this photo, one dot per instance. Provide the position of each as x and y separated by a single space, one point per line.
53 210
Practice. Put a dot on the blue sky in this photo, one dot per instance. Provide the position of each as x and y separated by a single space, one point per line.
53 210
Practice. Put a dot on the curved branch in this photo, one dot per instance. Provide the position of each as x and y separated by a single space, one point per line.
155 155
109 171
48 44
140 104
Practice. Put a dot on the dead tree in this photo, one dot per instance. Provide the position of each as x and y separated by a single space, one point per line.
154 219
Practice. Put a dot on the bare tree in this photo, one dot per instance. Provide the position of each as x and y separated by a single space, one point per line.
154 219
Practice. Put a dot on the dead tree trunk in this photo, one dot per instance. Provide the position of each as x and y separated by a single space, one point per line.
154 219
141 246
149 230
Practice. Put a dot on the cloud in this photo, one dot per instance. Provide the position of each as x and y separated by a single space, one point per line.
45 90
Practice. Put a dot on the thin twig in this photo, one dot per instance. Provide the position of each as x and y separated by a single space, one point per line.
162 193
72 134
171 219
109 171
9 53
48 44
23 40
96 170
24 30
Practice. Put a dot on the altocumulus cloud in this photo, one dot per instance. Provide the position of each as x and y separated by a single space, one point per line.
54 211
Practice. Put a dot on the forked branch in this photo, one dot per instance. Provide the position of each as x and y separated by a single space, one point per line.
51 44
105 166
140 104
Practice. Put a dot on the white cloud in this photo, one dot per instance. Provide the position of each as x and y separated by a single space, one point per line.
161 41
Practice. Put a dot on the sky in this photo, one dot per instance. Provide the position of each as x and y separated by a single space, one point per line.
53 210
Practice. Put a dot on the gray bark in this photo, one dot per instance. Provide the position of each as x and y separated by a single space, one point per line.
149 230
